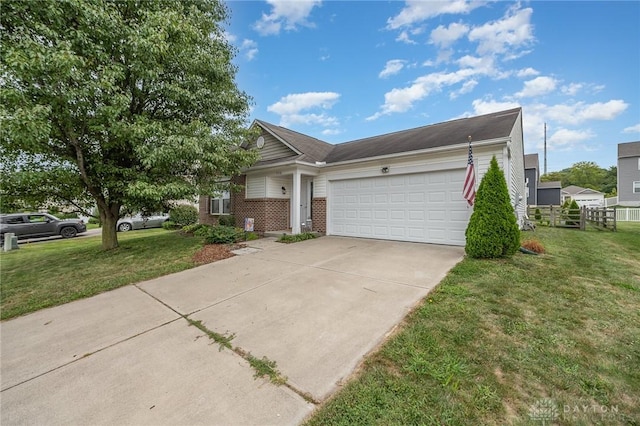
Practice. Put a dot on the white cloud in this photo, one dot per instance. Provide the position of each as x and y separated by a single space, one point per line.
325 57
331 132
579 112
250 48
482 65
566 139
446 36
482 107
632 129
559 116
527 72
285 14
401 100
503 36
416 11
291 108
537 87
392 67
572 88
404 37
467 87
307 119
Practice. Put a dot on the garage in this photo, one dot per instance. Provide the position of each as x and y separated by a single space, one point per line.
421 207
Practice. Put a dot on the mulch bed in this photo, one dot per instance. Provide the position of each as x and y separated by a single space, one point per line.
214 252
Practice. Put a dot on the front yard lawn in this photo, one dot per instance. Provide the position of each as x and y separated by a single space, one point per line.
552 338
52 273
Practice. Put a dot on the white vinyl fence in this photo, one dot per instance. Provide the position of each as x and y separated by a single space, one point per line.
628 215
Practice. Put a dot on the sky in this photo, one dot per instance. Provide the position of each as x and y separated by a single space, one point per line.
345 70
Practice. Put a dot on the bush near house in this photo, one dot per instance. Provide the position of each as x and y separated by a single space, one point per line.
224 235
228 220
183 215
573 213
493 229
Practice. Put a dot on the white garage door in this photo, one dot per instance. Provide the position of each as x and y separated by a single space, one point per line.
423 207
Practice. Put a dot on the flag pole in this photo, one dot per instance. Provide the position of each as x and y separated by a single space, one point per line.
469 187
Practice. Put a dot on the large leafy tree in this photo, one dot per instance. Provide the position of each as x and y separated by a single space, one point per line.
586 174
120 103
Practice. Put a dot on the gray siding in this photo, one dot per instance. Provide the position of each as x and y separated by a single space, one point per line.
273 148
627 174
532 198
548 196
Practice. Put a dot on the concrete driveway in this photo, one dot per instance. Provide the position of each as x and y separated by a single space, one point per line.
129 356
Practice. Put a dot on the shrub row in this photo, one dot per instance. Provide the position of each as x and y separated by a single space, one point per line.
219 234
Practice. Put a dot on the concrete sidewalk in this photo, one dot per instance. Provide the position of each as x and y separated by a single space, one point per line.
129 356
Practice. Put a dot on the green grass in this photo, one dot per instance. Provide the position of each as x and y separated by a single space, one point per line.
495 337
47 274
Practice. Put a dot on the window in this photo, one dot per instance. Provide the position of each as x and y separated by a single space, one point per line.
636 187
221 204
38 218
14 220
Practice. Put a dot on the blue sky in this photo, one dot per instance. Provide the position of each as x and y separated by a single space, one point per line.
340 71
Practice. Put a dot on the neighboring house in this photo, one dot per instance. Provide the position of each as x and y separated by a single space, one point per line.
539 193
404 186
532 176
629 174
549 193
583 196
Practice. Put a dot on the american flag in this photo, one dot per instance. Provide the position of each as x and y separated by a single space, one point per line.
469 188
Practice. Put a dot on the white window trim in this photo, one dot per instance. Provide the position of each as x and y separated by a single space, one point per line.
635 188
224 196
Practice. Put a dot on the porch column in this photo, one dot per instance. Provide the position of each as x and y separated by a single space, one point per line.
295 202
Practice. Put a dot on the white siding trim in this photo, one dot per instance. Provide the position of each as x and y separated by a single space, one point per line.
255 187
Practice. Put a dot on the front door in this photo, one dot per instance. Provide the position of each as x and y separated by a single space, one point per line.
306 193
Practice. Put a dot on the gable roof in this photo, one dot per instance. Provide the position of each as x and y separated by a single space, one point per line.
629 149
310 148
575 190
550 184
484 127
531 161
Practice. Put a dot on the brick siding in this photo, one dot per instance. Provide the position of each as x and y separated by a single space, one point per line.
203 211
269 214
319 215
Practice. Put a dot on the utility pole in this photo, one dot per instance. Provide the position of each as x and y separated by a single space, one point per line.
545 148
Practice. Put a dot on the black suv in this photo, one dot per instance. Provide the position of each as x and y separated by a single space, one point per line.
32 225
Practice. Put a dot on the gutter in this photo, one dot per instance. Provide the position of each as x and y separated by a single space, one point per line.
488 142
464 145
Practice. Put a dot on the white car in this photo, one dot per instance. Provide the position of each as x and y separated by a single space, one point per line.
138 221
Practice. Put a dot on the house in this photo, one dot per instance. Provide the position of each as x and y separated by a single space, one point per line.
549 193
583 196
404 186
629 174
532 177
539 193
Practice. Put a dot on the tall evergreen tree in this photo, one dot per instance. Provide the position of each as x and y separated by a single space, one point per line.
493 229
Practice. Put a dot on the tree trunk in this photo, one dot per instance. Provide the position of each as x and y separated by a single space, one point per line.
109 218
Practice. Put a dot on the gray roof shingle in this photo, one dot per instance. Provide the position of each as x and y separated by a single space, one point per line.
484 127
550 184
531 161
312 149
629 149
